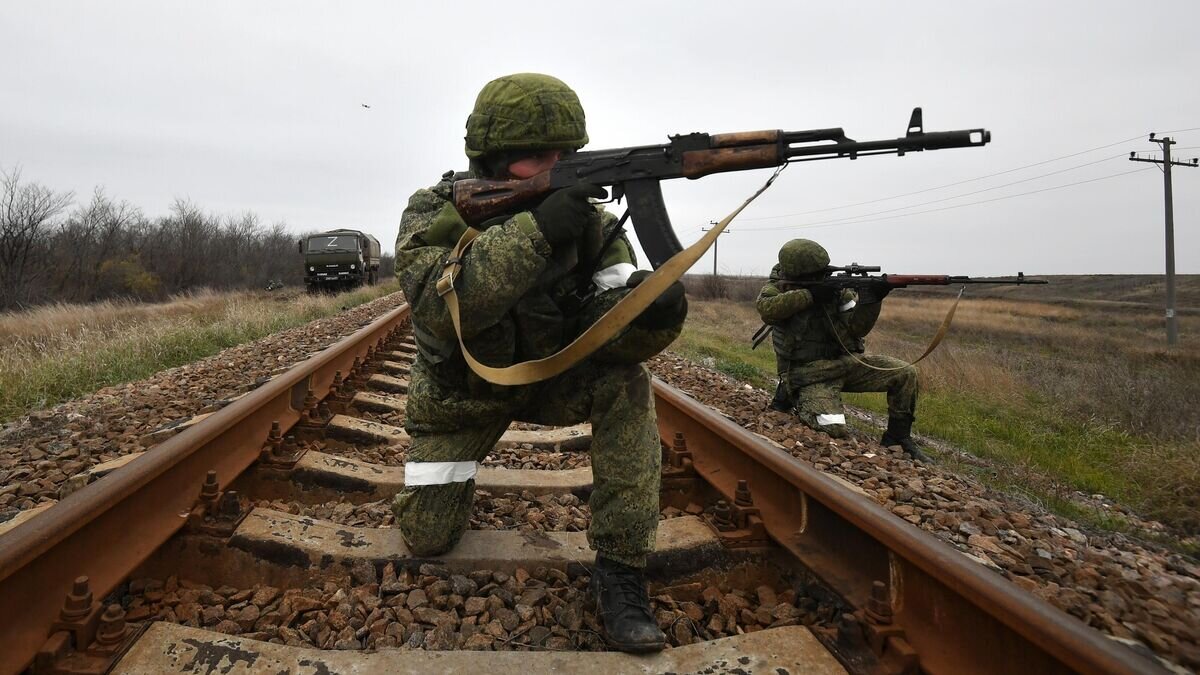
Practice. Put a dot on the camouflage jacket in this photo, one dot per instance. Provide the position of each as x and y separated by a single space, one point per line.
514 292
804 330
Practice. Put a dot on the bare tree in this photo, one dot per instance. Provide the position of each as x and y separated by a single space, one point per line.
108 248
91 235
26 214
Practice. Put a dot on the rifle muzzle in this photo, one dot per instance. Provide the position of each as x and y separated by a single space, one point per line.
965 138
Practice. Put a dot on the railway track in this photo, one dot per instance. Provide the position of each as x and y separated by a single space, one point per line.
763 563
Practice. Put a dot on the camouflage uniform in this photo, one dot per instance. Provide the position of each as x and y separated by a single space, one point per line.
813 365
516 305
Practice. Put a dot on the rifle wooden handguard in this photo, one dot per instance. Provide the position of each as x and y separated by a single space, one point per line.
918 279
698 163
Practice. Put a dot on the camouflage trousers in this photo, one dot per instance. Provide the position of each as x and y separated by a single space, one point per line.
450 435
816 387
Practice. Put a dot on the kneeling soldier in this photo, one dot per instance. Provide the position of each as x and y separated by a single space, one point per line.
818 336
518 297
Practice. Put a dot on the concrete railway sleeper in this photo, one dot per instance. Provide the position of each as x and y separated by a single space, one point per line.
267 521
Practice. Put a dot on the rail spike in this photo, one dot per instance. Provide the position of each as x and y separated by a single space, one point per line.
741 496
722 516
113 629
879 607
216 512
210 490
79 600
310 401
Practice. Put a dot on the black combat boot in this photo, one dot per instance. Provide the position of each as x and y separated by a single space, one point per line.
899 432
781 402
619 592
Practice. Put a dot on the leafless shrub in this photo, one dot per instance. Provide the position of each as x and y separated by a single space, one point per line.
109 249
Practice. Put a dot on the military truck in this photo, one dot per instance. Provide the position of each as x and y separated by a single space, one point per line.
339 259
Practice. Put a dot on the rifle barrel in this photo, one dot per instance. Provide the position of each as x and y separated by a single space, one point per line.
1019 281
916 142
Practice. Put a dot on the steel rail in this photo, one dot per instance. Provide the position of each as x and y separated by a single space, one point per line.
959 616
106 529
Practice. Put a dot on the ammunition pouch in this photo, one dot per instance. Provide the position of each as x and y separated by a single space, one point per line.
433 350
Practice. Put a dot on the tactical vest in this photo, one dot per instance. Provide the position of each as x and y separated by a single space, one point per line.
807 336
541 323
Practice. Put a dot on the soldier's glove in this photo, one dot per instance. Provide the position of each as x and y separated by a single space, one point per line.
823 294
873 293
563 215
667 310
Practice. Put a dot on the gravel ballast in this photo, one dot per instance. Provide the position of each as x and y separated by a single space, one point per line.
1114 583
542 609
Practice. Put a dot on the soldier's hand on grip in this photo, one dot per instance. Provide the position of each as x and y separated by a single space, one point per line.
667 310
563 215
874 293
823 294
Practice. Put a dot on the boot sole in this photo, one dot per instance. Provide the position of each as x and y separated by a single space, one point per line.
640 648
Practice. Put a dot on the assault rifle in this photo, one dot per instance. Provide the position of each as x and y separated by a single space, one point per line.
634 172
858 277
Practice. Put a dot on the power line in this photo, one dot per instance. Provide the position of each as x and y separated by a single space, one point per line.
944 208
946 199
948 185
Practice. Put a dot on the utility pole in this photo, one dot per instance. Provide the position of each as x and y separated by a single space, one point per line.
1166 162
718 241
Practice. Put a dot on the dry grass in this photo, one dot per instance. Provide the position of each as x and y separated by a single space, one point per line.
65 320
1120 405
722 287
1108 366
56 353
1071 395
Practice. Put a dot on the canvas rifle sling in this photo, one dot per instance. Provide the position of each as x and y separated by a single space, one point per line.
598 334
933 344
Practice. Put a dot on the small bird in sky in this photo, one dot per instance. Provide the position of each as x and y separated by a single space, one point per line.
365 106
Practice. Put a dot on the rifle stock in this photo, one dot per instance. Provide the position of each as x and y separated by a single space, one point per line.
478 199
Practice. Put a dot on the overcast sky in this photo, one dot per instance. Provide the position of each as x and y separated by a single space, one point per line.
257 106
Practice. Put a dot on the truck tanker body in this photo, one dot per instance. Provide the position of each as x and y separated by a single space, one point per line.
339 259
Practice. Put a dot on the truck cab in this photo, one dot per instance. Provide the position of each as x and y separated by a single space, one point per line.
339 260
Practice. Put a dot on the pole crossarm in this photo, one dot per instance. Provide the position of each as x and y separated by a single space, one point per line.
1192 163
715 243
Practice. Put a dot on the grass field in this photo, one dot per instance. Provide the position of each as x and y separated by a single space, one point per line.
1078 393
60 352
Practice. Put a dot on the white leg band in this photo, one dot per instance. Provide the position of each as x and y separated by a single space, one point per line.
824 419
848 306
613 277
438 473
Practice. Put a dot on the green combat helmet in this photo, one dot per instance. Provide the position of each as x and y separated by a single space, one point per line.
525 111
801 257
